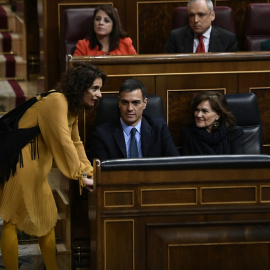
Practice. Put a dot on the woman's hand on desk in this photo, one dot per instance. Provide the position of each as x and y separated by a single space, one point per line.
89 182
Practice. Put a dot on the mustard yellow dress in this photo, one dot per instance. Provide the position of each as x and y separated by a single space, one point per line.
27 200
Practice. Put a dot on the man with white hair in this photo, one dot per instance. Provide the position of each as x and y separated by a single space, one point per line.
200 35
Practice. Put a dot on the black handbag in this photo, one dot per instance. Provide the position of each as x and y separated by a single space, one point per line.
13 139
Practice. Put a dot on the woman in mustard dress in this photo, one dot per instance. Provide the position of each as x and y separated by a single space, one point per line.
27 201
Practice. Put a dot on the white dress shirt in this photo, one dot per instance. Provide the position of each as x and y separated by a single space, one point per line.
206 40
126 130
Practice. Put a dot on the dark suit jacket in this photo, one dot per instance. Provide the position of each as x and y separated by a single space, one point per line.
181 41
108 142
265 45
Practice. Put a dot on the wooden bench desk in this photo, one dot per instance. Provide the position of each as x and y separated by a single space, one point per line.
200 212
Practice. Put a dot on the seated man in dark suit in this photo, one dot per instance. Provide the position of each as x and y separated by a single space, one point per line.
112 140
265 45
214 39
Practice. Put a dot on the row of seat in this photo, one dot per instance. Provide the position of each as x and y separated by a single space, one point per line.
243 106
257 22
75 25
257 25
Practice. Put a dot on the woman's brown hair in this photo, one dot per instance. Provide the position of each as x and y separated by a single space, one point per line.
218 103
75 81
117 30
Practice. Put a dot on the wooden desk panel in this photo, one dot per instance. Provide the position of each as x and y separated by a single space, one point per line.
194 218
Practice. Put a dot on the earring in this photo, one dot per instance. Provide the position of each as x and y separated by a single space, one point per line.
216 124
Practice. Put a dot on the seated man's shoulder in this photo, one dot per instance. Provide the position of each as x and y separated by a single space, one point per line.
222 31
155 122
180 30
151 119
